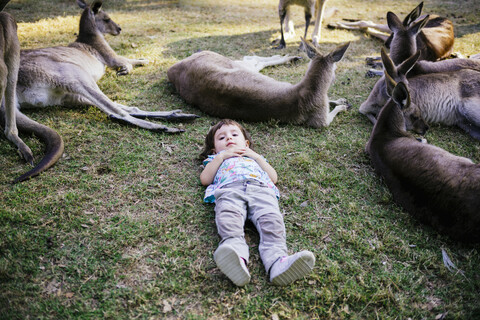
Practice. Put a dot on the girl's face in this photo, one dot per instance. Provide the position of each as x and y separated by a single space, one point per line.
229 136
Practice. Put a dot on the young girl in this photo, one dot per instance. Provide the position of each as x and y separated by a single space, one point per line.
242 185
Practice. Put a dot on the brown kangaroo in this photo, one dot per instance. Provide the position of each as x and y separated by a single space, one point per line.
224 88
433 185
434 35
67 75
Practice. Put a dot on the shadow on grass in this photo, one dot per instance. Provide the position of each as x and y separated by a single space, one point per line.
233 46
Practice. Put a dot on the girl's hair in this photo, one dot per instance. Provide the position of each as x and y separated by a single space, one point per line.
210 138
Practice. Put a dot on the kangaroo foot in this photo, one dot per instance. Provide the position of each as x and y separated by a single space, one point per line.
132 121
174 115
373 73
281 45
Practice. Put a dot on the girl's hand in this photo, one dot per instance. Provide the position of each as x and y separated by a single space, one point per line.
233 151
251 154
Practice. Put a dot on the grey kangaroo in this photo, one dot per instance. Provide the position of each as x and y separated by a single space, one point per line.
433 185
224 88
403 48
67 75
451 98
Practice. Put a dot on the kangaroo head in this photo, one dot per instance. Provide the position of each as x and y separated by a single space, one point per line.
335 55
404 38
102 21
411 17
383 88
412 115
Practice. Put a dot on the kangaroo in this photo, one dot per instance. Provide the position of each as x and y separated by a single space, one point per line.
316 7
224 88
404 40
450 98
434 35
67 75
9 64
433 185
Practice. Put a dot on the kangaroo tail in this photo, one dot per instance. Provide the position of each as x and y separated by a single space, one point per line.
53 144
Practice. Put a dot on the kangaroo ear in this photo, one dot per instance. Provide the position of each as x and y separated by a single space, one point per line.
310 50
339 52
394 23
401 96
82 4
407 65
413 15
96 6
390 83
418 26
388 65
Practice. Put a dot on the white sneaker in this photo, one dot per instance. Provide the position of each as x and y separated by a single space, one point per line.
232 265
290 268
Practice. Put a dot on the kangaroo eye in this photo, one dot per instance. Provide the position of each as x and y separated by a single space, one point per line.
107 20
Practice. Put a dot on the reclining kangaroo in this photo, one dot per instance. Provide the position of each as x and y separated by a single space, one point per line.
224 88
436 39
402 46
450 98
67 75
9 64
436 187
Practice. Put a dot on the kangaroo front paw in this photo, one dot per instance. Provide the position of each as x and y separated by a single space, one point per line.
122 71
341 101
26 153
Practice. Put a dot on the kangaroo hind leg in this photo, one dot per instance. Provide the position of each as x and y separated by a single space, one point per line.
115 113
256 63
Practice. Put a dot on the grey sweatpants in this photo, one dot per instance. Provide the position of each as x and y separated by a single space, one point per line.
236 202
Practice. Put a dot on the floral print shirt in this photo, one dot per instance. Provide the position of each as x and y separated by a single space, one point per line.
236 169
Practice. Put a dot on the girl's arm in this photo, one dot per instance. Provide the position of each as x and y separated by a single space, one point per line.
208 174
262 163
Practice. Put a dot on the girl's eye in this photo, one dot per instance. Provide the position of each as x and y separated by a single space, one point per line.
221 138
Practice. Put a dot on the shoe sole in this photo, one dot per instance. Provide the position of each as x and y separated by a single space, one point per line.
300 268
229 263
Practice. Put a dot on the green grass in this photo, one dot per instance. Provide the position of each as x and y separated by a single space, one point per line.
117 228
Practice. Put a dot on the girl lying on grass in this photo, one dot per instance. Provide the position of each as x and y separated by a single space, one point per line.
242 185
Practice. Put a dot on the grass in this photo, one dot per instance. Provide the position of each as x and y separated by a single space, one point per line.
117 228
